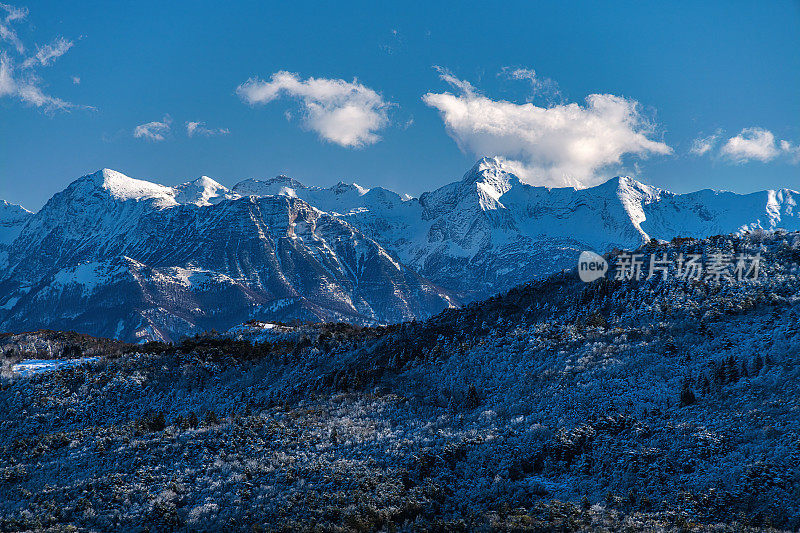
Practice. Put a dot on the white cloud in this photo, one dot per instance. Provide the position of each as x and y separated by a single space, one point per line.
750 144
153 131
199 128
7 33
26 88
48 53
568 144
704 145
7 84
18 76
344 113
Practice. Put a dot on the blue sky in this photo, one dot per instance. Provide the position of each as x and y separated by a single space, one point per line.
694 95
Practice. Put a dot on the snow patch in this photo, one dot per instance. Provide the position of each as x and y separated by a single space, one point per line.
29 367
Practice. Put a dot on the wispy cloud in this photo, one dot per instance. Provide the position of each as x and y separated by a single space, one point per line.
19 76
7 84
704 145
7 33
155 131
791 150
345 113
32 94
540 86
199 128
566 144
466 88
45 55
26 88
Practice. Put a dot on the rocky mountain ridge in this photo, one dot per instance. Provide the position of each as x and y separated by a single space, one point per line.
130 259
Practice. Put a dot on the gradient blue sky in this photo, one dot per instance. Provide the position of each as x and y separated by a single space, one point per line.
695 69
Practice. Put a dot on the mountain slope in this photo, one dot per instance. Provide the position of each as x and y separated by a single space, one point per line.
641 405
12 219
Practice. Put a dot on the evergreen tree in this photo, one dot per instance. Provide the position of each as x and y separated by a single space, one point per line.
758 364
472 400
705 386
687 394
720 376
731 370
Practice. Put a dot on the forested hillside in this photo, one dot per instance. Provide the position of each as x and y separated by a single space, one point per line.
649 404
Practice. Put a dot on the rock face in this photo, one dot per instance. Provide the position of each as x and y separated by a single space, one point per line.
12 219
119 257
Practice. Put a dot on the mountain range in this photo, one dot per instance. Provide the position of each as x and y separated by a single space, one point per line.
125 258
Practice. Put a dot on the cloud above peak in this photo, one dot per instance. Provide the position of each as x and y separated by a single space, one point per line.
751 144
155 131
560 145
704 145
200 129
345 113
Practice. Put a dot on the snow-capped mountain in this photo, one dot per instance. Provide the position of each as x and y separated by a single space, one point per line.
489 231
116 256
131 259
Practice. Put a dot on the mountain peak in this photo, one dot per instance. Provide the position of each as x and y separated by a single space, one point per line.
202 191
280 184
9 210
205 181
487 166
626 186
12 218
491 178
623 181
122 187
283 180
342 187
